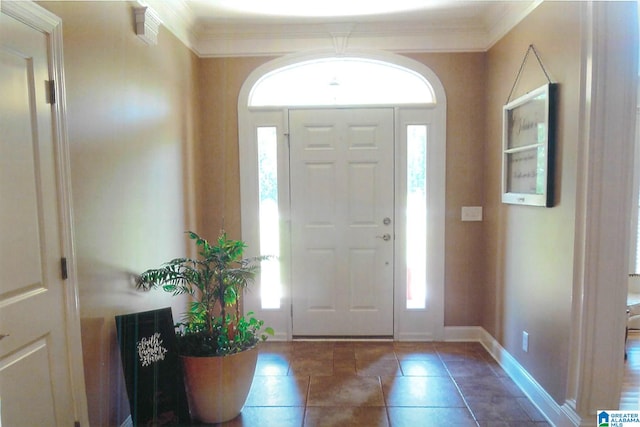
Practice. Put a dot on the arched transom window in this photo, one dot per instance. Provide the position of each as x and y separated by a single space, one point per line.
341 81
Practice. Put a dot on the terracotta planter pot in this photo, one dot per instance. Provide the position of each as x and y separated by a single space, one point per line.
217 387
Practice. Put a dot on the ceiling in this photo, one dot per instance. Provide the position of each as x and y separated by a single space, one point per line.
276 27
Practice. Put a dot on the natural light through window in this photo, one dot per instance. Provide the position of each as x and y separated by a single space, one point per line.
416 232
270 284
341 81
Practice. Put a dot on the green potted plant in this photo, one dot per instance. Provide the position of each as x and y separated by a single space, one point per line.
217 344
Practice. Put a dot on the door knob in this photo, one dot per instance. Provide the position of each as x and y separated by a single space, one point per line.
386 237
386 221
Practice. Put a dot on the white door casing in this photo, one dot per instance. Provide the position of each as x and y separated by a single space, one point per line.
342 187
41 381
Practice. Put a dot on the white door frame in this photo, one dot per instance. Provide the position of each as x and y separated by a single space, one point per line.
608 105
44 21
409 324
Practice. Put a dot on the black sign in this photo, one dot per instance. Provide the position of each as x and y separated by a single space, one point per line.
152 368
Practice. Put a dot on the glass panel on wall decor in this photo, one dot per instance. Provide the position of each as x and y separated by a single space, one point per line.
270 284
416 232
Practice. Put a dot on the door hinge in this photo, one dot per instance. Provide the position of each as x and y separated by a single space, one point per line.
63 268
291 310
51 92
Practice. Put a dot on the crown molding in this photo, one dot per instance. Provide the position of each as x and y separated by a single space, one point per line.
511 16
176 16
226 39
147 24
398 40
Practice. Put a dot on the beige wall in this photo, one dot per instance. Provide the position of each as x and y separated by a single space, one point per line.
131 122
219 83
529 250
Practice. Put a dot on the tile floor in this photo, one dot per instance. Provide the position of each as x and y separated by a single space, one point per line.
351 384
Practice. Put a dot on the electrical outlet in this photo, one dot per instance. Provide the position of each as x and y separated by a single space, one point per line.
525 341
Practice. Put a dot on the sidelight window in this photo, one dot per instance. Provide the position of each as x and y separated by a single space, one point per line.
416 221
270 283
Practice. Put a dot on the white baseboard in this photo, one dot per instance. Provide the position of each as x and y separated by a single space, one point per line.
279 336
557 415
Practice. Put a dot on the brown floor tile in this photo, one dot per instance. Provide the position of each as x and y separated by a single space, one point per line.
312 350
533 412
469 368
374 350
427 367
422 391
272 364
345 391
378 367
346 416
355 383
414 417
488 386
415 347
344 367
512 424
497 408
344 352
459 347
267 417
496 368
343 345
276 347
415 350
311 367
278 391
451 351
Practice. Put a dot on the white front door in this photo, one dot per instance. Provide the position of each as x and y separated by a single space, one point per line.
35 386
342 227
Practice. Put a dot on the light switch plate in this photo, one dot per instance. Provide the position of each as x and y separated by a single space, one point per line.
472 213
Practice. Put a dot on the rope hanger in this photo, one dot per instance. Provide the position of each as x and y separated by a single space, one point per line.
524 61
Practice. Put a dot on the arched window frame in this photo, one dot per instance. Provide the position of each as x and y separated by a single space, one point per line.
342 80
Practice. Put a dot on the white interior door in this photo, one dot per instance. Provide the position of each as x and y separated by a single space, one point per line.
35 386
342 228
